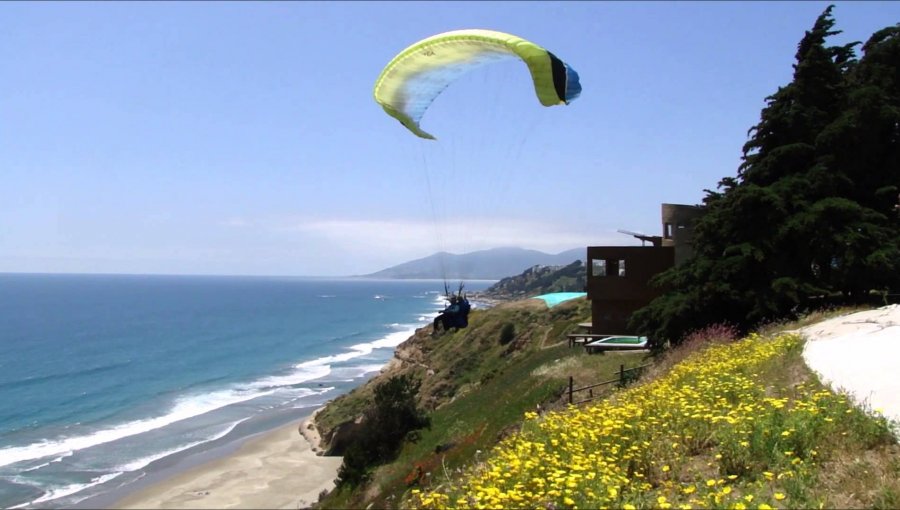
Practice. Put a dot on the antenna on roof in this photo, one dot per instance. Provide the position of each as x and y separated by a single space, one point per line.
656 240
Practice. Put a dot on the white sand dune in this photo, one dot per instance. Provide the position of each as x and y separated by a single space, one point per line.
859 353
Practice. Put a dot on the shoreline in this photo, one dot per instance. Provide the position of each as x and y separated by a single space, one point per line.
274 470
115 460
281 468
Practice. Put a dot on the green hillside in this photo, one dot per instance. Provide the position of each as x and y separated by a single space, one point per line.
713 423
475 389
538 280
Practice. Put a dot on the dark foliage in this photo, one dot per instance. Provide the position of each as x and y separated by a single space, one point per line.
508 333
812 213
391 418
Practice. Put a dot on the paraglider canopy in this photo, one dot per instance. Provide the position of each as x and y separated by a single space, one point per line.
414 78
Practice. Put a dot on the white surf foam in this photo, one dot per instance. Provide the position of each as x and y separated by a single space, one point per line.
145 461
68 490
184 408
367 369
301 375
195 405
45 464
391 340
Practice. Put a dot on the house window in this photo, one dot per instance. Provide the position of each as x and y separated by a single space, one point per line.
612 267
667 231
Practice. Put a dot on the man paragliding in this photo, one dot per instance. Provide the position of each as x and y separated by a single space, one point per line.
416 76
456 315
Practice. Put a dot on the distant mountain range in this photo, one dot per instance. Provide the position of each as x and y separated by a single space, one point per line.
493 264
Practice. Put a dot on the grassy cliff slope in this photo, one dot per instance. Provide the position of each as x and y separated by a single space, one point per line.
714 423
476 385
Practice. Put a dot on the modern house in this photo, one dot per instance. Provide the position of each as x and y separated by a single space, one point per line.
618 276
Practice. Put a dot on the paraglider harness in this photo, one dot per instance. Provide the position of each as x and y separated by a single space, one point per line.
456 315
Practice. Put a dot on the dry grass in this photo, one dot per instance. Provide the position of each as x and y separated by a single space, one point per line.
533 305
807 319
692 344
866 479
557 368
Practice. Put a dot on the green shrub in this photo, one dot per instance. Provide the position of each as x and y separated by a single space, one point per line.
388 422
354 468
508 333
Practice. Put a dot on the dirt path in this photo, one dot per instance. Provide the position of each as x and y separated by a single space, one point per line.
860 353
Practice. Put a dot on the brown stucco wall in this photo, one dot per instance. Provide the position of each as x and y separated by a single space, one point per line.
678 228
613 297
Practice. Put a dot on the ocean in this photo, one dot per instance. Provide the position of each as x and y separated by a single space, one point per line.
106 379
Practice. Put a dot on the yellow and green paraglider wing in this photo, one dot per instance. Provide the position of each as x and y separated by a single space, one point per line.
413 79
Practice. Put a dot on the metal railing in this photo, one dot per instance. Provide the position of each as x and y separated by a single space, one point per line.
621 379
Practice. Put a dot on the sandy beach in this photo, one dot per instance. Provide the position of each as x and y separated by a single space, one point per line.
859 353
278 469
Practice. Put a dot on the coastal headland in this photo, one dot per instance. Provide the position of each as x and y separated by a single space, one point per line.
285 468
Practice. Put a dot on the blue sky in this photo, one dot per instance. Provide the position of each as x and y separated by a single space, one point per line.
242 138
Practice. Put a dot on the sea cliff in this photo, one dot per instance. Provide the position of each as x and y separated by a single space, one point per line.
476 384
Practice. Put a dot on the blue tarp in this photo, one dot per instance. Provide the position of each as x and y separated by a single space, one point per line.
558 297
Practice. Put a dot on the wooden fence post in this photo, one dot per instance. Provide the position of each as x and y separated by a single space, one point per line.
571 383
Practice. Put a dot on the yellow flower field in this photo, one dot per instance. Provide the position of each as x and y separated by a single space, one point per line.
708 434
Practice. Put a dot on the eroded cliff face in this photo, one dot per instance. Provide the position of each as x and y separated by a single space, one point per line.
451 364
341 421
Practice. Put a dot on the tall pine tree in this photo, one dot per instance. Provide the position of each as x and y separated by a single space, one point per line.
858 246
805 215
